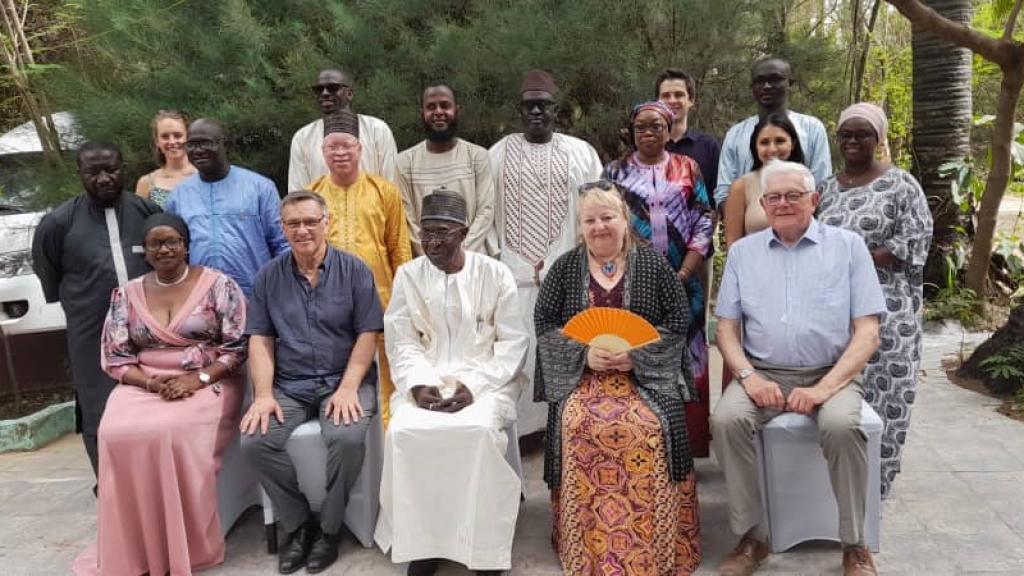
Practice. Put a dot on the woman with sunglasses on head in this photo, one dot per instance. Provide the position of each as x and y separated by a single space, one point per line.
170 130
617 458
888 208
670 211
173 339
774 138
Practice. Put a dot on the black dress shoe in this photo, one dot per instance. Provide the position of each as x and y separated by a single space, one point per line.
423 567
489 572
293 554
323 553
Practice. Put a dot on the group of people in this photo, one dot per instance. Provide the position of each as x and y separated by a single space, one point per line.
429 289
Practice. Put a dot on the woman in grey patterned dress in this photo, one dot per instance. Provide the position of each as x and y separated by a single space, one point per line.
888 208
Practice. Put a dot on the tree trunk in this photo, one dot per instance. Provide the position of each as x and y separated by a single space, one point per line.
1002 339
942 125
998 176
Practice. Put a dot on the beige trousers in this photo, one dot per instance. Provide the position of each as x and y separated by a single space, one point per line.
733 430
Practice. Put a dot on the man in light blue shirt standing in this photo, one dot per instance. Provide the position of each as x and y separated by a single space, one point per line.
806 297
770 79
233 214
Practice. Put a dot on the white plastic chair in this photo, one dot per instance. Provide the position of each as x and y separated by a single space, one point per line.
795 488
237 486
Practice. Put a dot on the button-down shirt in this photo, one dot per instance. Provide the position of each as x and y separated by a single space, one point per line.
736 160
315 327
797 304
234 223
704 149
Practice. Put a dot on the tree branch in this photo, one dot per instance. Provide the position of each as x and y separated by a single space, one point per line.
992 49
1011 22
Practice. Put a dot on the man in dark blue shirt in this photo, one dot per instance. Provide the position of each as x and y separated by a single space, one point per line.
677 90
313 322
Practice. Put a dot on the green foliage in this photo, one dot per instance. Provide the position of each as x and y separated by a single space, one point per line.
249 63
1006 365
955 303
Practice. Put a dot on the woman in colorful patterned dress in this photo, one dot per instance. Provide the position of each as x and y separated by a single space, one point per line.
170 130
888 208
617 457
671 212
174 341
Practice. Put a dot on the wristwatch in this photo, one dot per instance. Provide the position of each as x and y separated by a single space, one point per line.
744 374
205 378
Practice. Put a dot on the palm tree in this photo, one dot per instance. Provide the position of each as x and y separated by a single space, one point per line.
942 124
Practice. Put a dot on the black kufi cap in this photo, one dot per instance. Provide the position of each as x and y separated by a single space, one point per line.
342 121
443 204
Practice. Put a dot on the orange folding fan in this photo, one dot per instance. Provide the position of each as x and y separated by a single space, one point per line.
612 329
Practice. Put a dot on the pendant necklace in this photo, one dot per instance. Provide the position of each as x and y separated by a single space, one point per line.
609 268
181 279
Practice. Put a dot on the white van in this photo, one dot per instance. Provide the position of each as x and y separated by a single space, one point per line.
23 309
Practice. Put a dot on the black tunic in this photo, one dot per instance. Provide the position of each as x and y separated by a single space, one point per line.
71 255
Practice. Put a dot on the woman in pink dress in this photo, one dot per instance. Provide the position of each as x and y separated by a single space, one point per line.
174 340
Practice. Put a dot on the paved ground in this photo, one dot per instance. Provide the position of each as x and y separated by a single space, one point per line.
956 509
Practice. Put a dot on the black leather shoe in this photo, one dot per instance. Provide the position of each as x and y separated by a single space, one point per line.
489 572
323 553
423 567
293 555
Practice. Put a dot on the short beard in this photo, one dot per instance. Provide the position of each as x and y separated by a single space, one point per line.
441 135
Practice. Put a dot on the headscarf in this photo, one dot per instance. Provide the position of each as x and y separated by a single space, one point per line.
443 204
342 121
871 114
657 106
166 219
538 80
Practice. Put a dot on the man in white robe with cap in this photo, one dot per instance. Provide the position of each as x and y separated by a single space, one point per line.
455 339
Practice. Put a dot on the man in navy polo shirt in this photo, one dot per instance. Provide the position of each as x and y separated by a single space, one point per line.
313 322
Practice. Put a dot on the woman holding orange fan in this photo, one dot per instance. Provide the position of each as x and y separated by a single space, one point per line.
617 457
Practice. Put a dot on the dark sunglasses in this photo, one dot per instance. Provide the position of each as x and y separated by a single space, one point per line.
330 87
601 184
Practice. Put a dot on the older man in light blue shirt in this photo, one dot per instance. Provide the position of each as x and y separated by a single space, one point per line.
770 79
807 299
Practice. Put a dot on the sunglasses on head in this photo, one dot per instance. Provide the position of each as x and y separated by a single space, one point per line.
599 184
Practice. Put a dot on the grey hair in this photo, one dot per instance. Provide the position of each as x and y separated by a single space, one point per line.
780 167
296 196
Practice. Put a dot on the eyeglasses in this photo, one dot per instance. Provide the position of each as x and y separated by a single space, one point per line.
330 87
789 197
333 149
172 244
308 223
543 105
208 145
599 184
656 128
772 80
439 235
860 135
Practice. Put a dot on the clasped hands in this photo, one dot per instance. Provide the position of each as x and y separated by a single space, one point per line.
768 394
602 360
174 387
429 398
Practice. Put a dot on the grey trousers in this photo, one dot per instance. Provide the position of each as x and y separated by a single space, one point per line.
346 446
734 424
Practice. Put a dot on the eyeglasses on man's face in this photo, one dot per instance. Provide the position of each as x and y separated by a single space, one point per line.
308 223
329 87
542 105
172 244
204 144
439 234
776 198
